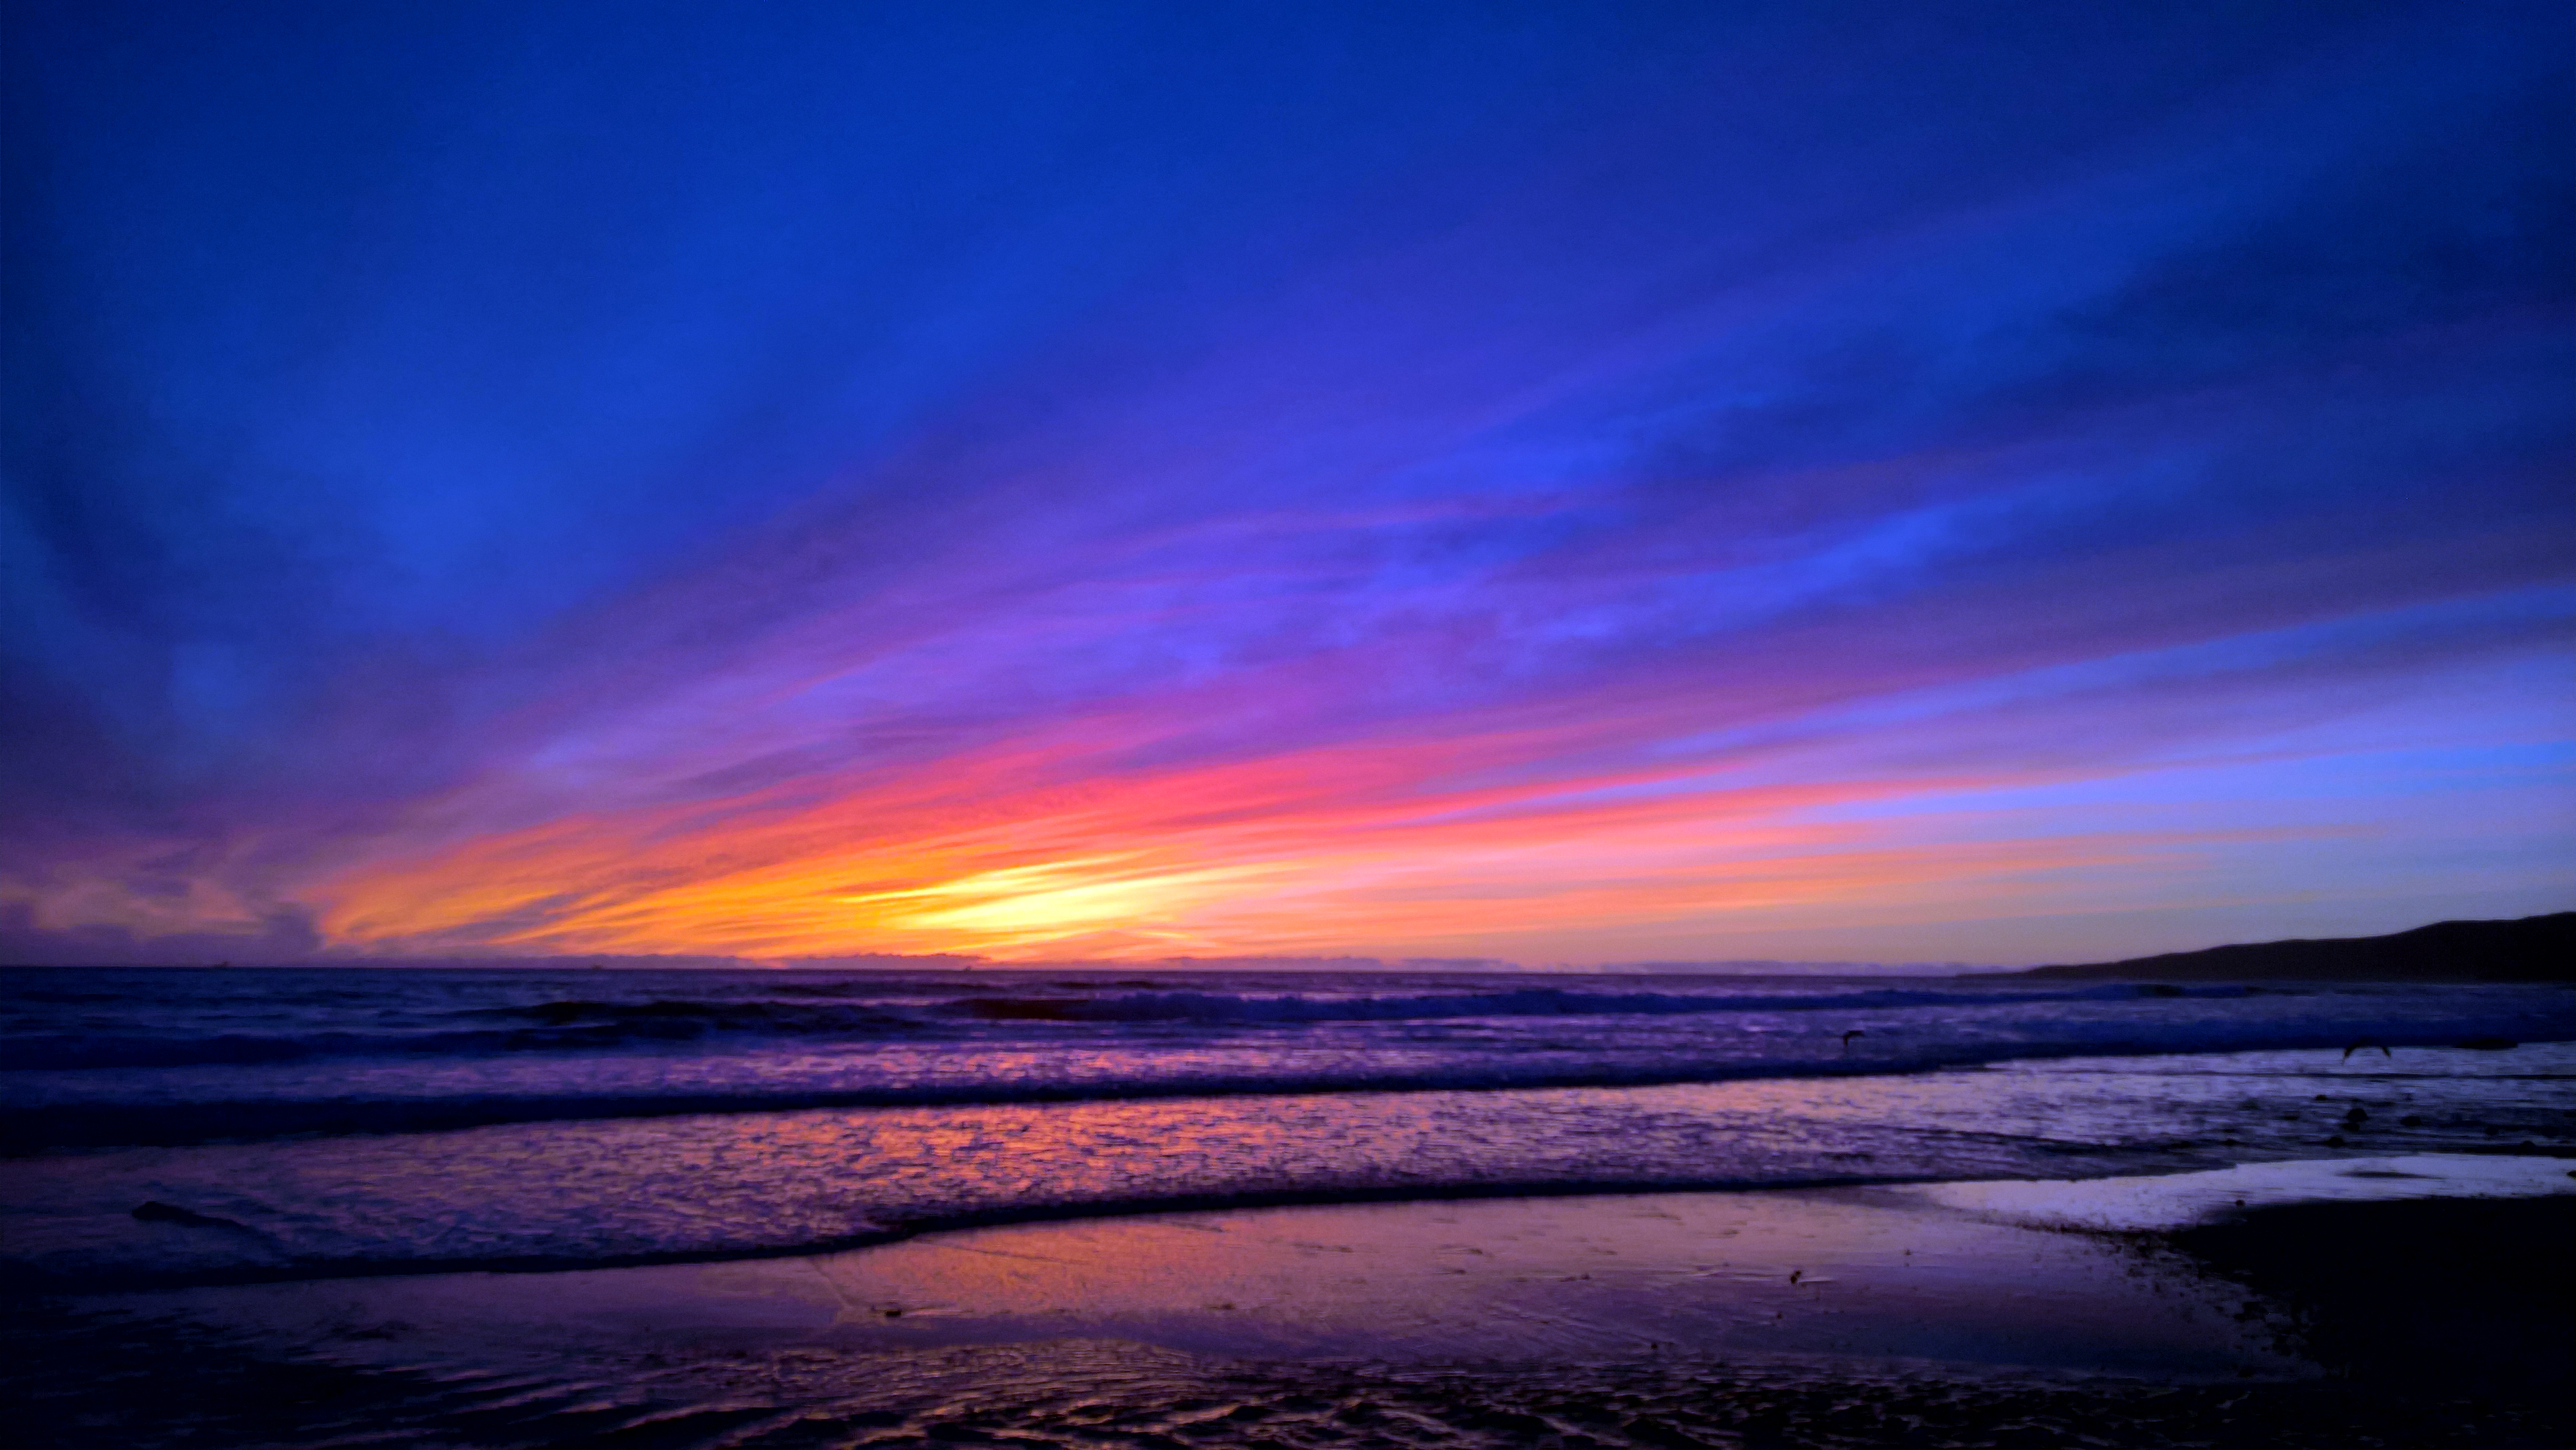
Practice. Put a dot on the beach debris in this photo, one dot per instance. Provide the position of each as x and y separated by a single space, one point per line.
2364 1044
153 1210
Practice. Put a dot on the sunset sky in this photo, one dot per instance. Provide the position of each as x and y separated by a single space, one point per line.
1571 483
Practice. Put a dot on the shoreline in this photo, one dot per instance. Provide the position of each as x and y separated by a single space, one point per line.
2439 1320
2284 1182
789 1185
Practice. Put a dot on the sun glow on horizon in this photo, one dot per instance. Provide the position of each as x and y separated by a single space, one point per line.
1441 846
1596 484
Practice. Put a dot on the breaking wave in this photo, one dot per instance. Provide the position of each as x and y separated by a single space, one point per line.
577 1025
1218 1007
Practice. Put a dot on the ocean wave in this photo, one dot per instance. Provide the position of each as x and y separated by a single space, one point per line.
592 1195
587 1025
42 1126
1217 1007
575 1026
49 1126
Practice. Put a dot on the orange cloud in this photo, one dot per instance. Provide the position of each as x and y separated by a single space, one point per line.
1054 847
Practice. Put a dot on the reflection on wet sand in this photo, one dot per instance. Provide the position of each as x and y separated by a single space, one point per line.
1578 1278
1815 1318
1851 1272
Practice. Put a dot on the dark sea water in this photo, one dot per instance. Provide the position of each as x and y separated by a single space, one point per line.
314 1123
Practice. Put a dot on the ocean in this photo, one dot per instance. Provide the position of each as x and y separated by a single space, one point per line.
175 1127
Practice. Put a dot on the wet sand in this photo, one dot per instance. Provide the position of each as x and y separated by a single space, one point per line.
2477 1295
1932 1315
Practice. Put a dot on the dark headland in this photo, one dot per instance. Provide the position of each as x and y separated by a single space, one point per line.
2530 949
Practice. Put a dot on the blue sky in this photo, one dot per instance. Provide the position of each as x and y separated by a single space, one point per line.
1729 480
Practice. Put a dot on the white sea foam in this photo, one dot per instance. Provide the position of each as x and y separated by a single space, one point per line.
2183 1200
734 1113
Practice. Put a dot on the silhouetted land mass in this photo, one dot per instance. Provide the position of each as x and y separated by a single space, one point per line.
2531 949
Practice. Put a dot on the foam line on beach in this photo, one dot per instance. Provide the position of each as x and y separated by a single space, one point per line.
2170 1202
255 1268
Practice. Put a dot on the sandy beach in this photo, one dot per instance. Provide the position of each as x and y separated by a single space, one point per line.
2346 1303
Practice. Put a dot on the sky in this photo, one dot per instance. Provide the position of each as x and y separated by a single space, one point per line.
1566 483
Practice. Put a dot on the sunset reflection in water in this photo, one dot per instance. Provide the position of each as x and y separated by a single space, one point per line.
575 1192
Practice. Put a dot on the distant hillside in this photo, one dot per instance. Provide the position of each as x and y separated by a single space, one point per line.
2533 949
